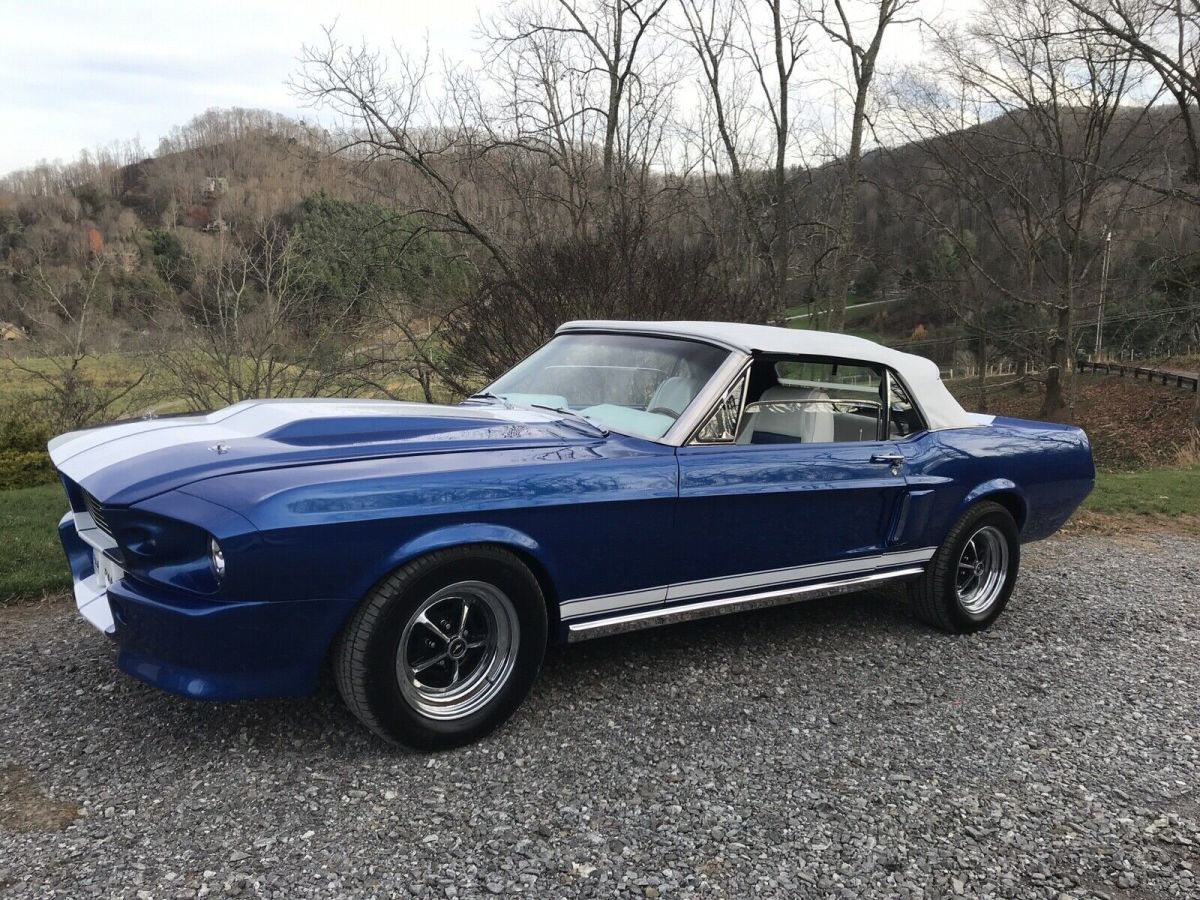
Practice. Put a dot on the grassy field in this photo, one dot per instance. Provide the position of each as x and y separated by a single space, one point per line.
21 380
1150 492
32 562
157 390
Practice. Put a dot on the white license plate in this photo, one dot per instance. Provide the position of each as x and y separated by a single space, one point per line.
107 571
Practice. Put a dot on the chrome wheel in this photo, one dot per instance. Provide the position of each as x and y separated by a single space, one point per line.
982 571
457 650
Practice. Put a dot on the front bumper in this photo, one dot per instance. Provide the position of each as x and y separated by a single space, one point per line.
90 598
200 647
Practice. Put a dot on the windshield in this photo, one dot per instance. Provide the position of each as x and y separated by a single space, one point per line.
630 383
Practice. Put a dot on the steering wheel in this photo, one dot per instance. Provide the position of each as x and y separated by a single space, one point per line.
663 411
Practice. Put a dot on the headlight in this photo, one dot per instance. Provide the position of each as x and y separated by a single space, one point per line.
217 557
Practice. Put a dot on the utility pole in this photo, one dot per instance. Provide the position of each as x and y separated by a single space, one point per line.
1103 289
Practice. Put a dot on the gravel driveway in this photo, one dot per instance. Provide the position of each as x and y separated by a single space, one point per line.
827 749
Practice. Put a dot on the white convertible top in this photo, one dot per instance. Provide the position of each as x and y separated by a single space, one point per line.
940 408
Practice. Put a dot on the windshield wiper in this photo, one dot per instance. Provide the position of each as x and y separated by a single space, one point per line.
488 395
598 430
589 426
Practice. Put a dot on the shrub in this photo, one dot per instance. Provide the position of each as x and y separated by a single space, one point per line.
23 458
24 468
20 429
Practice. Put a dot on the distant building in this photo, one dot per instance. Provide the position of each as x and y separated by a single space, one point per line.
207 216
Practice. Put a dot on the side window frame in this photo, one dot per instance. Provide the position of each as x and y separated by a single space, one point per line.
893 378
882 423
739 383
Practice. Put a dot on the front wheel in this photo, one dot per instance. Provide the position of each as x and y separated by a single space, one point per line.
444 649
969 580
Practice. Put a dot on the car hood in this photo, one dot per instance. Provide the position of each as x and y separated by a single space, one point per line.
127 462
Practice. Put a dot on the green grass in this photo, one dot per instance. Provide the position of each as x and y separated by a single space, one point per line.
118 369
1148 492
158 389
31 558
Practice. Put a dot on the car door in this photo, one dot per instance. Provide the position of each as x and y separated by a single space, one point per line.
798 486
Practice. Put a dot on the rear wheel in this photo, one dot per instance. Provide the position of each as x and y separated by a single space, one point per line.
444 649
970 579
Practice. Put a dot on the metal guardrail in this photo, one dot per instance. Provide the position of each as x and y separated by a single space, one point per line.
1179 379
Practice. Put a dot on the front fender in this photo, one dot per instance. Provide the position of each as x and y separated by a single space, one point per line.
466 533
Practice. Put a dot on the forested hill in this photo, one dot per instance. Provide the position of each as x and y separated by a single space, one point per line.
154 235
154 241
232 172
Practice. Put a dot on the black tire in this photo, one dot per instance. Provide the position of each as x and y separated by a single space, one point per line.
935 598
368 658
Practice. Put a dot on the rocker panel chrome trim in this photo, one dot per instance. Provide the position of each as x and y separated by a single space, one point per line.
771 578
652 618
856 566
588 606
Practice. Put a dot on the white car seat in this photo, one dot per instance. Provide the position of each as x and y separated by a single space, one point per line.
801 423
674 393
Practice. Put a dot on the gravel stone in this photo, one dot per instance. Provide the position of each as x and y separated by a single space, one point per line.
834 748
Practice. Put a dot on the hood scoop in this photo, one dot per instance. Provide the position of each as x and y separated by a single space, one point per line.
353 430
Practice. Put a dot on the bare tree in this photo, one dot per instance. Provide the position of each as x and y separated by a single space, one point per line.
1040 179
583 93
604 37
733 45
389 116
253 333
1165 36
860 43
61 312
513 175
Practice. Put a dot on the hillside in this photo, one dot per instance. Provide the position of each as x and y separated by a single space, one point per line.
231 171
245 235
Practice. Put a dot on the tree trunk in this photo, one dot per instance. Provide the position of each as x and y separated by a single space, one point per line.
1056 370
781 250
981 359
610 136
839 287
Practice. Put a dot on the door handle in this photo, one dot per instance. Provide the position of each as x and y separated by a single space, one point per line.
888 459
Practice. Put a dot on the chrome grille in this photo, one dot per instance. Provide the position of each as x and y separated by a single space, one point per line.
96 511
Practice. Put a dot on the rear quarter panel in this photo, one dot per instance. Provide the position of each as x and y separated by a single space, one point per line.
1044 470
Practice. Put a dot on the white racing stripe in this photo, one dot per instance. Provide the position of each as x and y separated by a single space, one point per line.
863 565
80 454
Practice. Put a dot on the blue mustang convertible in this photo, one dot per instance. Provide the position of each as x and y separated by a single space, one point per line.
625 475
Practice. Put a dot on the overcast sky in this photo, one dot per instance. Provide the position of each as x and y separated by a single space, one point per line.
77 74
